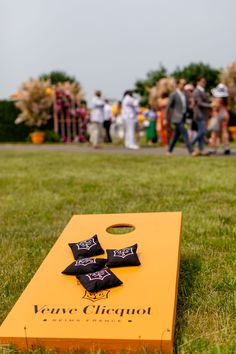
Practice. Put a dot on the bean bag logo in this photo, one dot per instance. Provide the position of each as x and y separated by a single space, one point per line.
84 262
100 295
124 252
102 274
86 245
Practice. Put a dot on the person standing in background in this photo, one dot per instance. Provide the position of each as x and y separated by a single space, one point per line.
220 119
107 121
82 111
201 113
192 129
129 113
97 119
151 131
176 115
117 127
161 119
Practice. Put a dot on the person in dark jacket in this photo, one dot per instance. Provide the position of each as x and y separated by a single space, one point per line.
176 114
202 106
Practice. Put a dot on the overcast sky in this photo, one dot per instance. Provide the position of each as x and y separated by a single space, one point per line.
108 44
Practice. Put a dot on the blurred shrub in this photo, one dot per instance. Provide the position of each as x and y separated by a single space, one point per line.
52 137
9 131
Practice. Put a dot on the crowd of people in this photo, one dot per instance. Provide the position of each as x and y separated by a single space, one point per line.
189 112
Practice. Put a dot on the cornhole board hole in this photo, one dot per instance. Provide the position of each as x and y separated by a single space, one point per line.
55 311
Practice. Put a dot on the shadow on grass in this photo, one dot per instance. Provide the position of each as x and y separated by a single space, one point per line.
189 270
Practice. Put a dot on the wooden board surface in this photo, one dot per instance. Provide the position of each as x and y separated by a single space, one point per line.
55 310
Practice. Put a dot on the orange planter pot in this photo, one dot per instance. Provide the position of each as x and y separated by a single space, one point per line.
233 133
37 137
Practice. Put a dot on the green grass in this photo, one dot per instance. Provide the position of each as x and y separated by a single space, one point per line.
39 192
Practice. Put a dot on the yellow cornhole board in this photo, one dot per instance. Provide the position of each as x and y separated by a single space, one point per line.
55 311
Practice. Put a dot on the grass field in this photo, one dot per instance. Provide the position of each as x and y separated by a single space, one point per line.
39 192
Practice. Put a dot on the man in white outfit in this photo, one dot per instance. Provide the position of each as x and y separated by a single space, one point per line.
129 113
97 119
